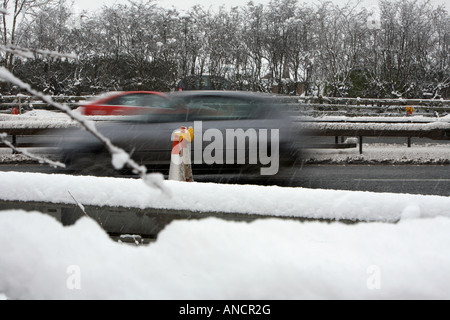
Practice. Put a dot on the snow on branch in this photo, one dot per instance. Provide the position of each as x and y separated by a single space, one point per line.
54 164
30 53
120 156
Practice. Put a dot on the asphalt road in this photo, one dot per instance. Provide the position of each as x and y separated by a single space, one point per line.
412 179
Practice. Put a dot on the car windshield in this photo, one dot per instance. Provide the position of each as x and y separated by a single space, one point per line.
213 107
140 100
222 107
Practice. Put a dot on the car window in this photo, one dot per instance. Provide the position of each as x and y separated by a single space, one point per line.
221 107
126 100
139 100
155 101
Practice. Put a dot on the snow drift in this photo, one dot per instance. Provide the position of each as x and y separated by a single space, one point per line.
215 259
266 259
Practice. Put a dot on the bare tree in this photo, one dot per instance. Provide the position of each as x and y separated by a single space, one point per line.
17 10
329 48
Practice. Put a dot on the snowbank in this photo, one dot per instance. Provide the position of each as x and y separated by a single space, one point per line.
386 119
209 197
214 259
429 153
438 125
49 119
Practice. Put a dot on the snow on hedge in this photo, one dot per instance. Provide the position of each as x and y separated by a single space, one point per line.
215 259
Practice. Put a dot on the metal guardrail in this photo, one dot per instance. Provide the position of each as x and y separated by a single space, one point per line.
353 107
433 130
407 131
373 101
147 223
23 102
358 111
307 105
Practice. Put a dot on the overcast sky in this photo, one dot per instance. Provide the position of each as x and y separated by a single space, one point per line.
186 4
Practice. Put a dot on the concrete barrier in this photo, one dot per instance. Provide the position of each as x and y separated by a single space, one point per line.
146 223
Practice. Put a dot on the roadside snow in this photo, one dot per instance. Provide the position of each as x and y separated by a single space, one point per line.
58 119
214 259
404 119
430 153
48 119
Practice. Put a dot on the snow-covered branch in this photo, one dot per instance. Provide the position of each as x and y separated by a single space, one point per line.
55 164
30 53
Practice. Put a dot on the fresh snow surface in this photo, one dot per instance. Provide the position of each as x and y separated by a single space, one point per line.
215 259
210 197
394 153
406 119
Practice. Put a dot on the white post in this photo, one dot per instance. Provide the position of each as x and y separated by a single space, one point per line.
180 161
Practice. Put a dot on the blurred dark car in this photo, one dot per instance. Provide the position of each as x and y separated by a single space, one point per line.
213 114
125 103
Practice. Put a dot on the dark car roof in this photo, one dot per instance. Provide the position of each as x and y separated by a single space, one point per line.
263 105
231 94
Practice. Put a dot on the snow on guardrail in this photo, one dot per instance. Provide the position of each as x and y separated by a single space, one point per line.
47 119
209 197
311 105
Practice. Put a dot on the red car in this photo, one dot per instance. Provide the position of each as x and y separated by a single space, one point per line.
126 103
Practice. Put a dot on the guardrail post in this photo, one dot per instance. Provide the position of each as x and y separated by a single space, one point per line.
360 144
14 143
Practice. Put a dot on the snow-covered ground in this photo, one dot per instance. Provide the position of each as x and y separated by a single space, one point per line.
395 153
399 251
216 259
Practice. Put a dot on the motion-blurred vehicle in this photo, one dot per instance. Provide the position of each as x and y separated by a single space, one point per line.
213 114
125 103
